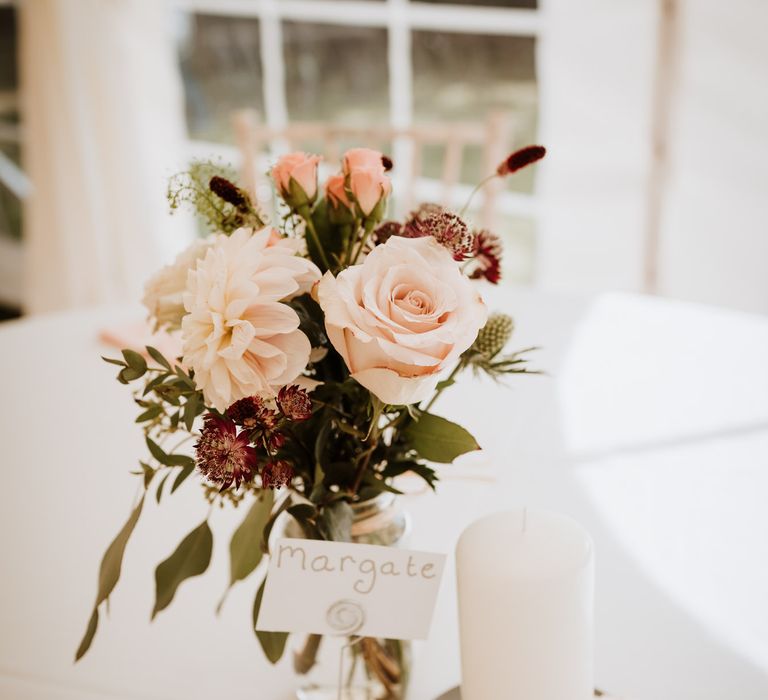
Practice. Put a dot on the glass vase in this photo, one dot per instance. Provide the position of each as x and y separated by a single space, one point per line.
357 668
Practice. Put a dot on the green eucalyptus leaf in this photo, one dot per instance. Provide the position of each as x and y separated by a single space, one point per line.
112 361
439 440
129 374
273 643
182 476
90 632
112 563
180 461
159 492
157 356
271 523
135 361
191 558
109 574
156 451
148 473
191 408
150 413
153 383
245 551
185 378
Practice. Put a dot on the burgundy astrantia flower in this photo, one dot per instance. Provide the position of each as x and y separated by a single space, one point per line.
223 455
253 414
275 441
488 250
294 403
276 474
519 159
384 231
448 229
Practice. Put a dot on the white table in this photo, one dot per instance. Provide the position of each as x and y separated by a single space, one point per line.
652 429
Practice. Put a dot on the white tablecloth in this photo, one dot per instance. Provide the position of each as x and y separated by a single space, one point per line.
651 428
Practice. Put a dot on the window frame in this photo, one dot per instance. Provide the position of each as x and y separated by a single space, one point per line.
400 18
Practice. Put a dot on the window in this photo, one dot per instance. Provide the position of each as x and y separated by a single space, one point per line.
366 62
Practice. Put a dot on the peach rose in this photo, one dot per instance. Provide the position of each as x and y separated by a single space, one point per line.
366 178
300 167
335 192
400 317
362 159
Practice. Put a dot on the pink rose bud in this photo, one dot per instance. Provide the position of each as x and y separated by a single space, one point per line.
295 176
335 192
369 188
363 159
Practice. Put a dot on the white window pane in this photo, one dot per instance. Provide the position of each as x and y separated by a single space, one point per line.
336 73
465 76
221 66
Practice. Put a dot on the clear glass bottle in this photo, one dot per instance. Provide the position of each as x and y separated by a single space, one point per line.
357 668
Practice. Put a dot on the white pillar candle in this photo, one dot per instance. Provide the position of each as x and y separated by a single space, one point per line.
525 587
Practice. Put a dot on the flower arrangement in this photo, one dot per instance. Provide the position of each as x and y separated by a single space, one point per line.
310 357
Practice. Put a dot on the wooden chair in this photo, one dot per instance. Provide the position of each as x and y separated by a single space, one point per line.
259 145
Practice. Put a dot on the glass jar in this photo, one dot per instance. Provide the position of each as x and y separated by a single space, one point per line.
358 668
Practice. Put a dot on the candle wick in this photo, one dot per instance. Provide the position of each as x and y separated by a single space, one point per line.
525 518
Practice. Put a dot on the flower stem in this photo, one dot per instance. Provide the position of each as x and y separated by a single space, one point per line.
351 245
369 224
305 214
472 194
372 438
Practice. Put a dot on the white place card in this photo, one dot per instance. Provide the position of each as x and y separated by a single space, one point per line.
338 588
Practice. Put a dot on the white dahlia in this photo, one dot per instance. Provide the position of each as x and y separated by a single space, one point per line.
164 291
238 336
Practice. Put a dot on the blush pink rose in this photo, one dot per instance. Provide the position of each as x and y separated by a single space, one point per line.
300 167
401 317
362 159
365 176
335 192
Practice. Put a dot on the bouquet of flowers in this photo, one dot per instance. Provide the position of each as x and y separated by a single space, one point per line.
310 356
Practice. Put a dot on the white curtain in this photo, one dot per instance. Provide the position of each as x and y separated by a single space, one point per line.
103 130
596 69
714 233
597 63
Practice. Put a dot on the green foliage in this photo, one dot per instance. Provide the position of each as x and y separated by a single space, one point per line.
439 440
109 575
273 643
192 188
245 547
190 558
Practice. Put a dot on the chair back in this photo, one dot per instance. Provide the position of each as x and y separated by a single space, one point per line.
259 145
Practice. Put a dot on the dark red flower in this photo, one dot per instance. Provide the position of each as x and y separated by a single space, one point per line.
384 231
448 229
488 250
275 441
294 403
519 159
223 455
276 474
386 161
253 414
230 192
425 210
